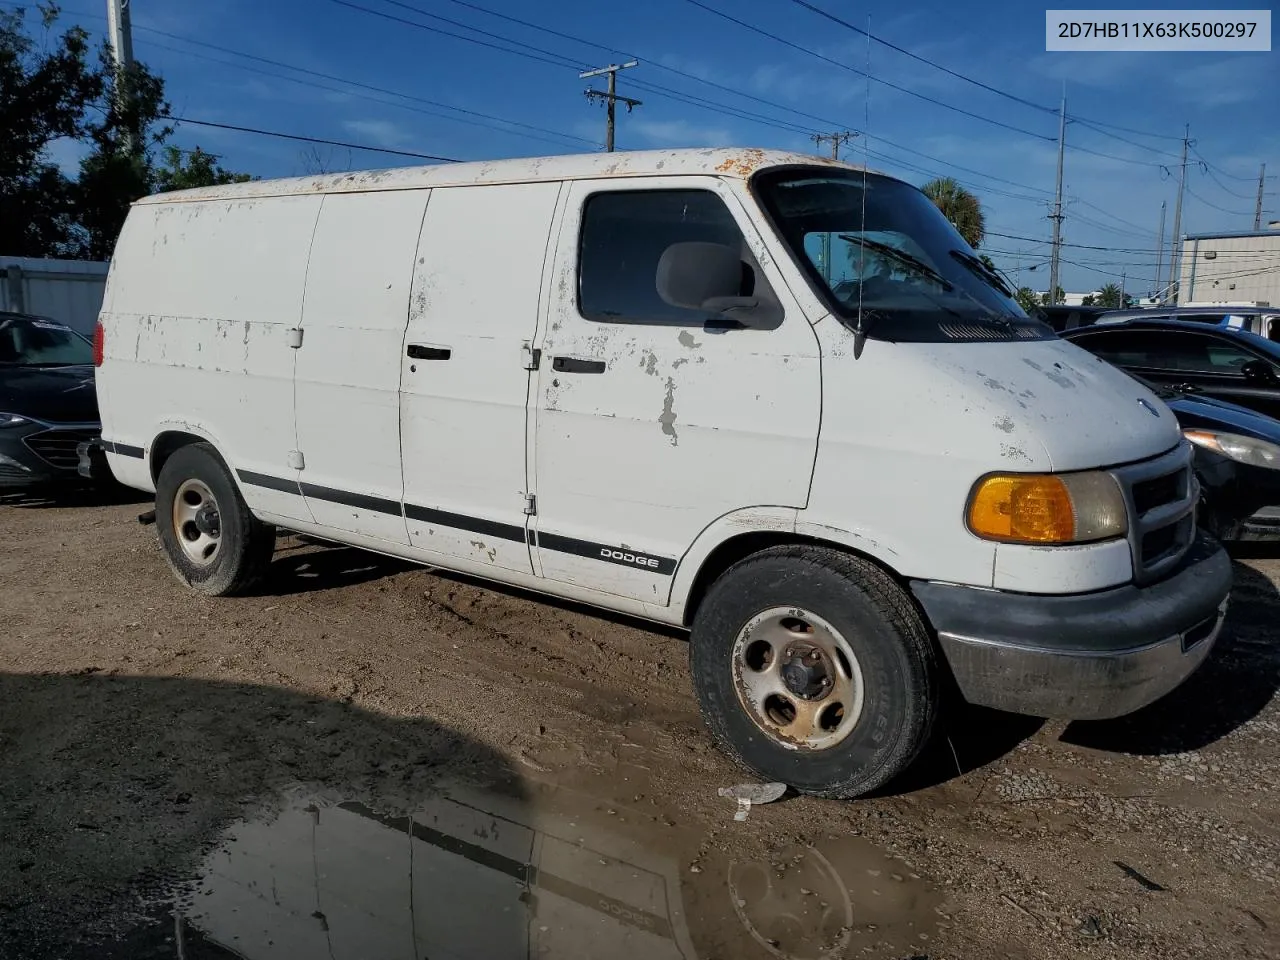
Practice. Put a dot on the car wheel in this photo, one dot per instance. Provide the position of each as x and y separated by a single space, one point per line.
813 667
212 541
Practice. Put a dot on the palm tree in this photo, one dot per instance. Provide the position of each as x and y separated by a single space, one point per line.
1108 296
961 207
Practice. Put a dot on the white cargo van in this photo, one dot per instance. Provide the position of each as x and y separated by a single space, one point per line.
771 398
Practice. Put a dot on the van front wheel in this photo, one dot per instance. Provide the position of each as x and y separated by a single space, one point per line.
211 540
813 668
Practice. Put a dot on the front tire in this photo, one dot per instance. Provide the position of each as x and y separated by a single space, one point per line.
211 540
812 667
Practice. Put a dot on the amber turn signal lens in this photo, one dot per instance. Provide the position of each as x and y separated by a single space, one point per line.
1023 508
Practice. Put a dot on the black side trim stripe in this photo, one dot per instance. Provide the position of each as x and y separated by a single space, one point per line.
270 483
490 528
123 449
359 500
665 566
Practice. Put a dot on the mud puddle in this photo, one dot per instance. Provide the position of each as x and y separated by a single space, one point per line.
471 873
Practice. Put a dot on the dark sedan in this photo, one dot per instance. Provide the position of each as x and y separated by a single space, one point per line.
47 400
1238 463
1199 360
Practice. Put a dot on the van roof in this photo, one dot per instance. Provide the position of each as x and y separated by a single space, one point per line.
738 162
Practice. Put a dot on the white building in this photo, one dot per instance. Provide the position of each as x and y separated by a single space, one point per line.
1237 268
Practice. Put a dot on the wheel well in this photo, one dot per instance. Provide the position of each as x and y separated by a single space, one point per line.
742 546
166 445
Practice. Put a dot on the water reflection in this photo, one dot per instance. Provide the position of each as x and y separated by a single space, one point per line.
472 874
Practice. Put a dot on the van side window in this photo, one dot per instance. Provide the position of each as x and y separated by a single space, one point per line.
625 234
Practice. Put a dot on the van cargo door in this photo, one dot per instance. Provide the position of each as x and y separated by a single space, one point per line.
464 378
348 368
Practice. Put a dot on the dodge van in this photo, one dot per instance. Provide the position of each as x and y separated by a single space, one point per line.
773 399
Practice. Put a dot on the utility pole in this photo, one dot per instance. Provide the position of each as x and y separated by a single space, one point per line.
835 139
611 98
120 32
1175 251
1160 250
1056 216
1124 272
1257 210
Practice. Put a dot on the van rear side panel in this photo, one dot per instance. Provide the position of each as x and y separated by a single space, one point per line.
203 296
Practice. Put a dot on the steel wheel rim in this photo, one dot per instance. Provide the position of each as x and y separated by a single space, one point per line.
197 523
797 678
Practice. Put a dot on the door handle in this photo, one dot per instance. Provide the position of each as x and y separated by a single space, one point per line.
577 365
419 351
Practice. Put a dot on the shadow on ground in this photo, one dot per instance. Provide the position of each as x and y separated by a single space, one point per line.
1236 682
73 495
302 568
112 788
968 738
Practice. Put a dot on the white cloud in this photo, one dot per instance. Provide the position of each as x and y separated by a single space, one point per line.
381 133
679 133
1220 83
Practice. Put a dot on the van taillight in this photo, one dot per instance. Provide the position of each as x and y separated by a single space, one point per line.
99 343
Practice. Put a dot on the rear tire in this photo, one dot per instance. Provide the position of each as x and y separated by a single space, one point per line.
813 667
211 540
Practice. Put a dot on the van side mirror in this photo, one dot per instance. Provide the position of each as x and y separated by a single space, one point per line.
1258 371
708 276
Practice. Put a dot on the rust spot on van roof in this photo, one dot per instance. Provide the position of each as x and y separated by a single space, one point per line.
744 164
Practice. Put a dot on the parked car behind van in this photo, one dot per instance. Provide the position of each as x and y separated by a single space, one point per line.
634 380
47 400
1222 363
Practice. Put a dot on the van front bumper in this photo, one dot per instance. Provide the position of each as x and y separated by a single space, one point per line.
1087 656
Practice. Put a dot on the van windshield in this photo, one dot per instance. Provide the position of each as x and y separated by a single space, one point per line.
880 252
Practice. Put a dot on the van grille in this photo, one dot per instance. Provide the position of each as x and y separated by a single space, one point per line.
58 447
1161 496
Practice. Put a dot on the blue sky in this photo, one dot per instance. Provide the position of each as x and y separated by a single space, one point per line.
1112 201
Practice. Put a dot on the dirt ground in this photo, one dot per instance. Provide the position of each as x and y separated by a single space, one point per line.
184 776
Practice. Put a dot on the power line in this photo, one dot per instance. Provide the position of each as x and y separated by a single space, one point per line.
1208 168
322 140
1234 213
854 70
650 62
365 86
937 66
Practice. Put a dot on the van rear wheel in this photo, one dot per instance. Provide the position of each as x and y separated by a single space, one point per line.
211 540
813 668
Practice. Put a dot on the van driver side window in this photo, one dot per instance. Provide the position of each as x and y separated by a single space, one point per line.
623 238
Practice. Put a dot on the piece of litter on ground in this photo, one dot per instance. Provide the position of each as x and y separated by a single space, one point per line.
754 792
744 809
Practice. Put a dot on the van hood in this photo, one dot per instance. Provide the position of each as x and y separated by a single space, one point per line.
1051 394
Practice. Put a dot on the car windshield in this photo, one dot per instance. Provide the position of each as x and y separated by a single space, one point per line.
35 342
884 258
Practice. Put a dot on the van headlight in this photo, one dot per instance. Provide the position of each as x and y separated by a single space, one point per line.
1255 453
1046 508
11 420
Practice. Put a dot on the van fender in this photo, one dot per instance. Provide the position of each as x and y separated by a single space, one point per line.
780 521
756 527
196 429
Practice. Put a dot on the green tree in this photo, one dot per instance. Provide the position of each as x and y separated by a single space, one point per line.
187 170
1044 297
1109 296
50 91
44 90
1087 301
1027 299
961 207
119 170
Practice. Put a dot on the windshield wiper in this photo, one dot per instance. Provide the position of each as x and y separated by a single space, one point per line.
919 266
982 271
